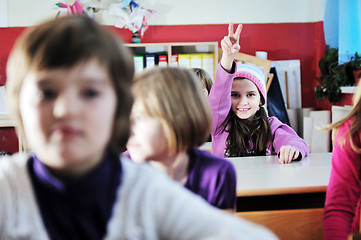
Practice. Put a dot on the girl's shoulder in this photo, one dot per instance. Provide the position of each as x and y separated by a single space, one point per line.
345 129
346 125
275 123
274 120
205 160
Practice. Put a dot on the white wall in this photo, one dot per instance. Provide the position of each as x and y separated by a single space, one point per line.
30 12
3 13
176 12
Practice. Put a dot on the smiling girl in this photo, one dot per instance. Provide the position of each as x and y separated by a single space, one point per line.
241 126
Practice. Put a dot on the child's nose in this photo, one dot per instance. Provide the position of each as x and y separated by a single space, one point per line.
243 101
65 106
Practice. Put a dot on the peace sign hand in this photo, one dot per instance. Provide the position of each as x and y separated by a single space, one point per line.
230 46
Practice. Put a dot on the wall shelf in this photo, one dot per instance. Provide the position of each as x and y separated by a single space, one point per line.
6 120
348 89
176 48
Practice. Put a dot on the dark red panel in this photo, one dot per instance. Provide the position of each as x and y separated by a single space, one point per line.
7 39
8 140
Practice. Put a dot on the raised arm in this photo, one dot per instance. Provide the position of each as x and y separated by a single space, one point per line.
220 94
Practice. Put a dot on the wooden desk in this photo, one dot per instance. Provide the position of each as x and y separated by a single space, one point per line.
265 184
296 224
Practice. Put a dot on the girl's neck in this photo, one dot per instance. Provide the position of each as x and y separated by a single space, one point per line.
175 166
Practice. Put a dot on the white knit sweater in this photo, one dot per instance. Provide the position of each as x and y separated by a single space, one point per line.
149 206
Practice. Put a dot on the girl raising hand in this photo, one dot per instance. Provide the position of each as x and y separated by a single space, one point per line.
241 126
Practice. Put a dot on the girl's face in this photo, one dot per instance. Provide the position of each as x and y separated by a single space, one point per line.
147 139
245 98
68 115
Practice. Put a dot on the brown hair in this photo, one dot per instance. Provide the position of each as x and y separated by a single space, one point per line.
355 113
204 77
241 131
63 43
175 97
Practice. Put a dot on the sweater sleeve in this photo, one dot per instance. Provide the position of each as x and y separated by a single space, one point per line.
284 135
220 96
343 191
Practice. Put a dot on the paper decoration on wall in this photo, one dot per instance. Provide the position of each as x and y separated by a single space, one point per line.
70 9
131 15
78 7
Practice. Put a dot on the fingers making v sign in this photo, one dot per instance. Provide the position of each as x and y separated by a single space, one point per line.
230 46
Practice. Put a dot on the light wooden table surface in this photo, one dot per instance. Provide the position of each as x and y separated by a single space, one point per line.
264 175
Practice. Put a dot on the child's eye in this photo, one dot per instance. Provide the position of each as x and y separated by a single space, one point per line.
235 95
90 93
48 94
251 95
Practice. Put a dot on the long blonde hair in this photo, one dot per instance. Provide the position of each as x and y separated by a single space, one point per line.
174 96
355 126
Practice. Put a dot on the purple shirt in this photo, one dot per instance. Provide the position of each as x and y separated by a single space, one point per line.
76 208
213 178
220 102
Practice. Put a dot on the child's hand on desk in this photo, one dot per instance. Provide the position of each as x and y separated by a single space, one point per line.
287 154
230 46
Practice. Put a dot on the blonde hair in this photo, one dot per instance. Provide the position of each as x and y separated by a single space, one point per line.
174 96
206 80
355 126
63 43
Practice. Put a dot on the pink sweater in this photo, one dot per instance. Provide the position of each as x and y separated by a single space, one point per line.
342 210
220 102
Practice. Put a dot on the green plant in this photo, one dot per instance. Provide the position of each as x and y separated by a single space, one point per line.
356 67
334 75
356 62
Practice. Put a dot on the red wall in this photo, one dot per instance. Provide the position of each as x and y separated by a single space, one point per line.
304 41
282 41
